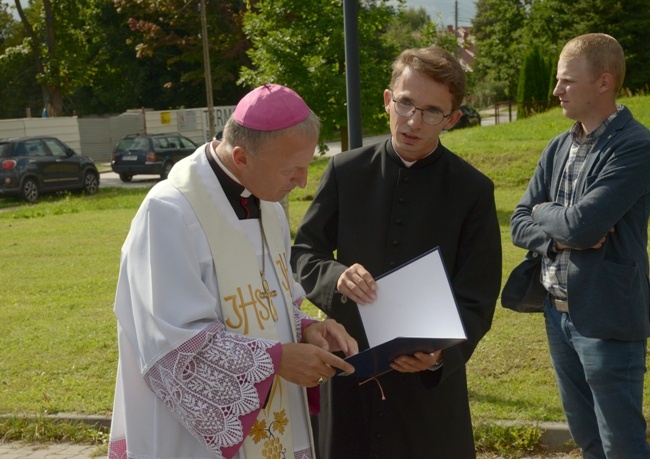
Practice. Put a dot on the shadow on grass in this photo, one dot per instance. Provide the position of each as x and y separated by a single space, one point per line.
513 405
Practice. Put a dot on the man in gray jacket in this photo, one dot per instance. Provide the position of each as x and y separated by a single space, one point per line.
586 213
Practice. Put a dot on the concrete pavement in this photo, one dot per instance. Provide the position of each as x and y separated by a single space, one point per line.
47 451
68 451
555 435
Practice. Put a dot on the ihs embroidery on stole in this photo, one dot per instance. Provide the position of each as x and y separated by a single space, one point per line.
251 303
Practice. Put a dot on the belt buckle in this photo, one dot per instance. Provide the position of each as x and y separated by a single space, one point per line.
561 305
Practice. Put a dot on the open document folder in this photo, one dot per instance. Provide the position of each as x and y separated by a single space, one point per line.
415 310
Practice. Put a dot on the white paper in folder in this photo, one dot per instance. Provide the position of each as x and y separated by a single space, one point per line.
414 300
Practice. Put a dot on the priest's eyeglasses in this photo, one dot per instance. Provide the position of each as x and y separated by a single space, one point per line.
406 109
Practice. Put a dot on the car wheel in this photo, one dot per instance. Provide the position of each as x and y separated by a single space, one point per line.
166 169
91 182
126 177
29 190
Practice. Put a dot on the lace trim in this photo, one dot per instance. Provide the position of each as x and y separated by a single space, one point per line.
300 320
209 383
303 454
117 449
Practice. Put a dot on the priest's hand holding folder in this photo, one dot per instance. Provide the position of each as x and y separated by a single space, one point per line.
311 362
358 284
409 315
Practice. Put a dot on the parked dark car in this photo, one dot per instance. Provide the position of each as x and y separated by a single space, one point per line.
30 166
149 154
470 117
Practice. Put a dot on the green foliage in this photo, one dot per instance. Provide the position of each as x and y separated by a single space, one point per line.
5 23
21 91
517 440
498 27
45 430
533 88
506 29
166 35
301 45
94 66
119 81
629 23
105 56
406 30
413 28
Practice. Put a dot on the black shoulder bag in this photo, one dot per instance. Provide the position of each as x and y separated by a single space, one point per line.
523 291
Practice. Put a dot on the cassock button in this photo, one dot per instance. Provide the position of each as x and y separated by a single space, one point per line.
395 243
398 221
391 264
407 179
401 200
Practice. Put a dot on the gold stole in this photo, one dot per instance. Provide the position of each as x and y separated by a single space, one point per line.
245 310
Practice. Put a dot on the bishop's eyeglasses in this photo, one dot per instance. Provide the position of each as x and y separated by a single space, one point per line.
406 109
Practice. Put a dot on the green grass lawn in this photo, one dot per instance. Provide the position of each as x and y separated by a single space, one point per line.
60 264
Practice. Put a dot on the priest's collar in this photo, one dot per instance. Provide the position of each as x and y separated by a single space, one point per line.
422 162
213 154
242 201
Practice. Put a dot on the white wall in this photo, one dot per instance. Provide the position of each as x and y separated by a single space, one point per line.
64 128
97 136
192 123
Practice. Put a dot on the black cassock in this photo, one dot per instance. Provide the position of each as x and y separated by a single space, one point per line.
375 211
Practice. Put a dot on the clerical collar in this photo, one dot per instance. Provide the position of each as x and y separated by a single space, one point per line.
245 204
213 153
410 163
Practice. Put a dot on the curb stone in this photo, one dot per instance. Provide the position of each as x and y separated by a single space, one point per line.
555 436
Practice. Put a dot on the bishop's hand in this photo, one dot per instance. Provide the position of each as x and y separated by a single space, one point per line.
308 365
330 336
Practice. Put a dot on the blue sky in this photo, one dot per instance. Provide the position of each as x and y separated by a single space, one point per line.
443 9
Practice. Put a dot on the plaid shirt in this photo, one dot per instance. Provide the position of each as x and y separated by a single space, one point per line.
554 271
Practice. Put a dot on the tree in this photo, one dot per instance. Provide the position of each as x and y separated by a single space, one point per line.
5 24
629 23
533 88
19 89
55 37
167 33
104 56
301 44
498 27
506 29
120 80
406 30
